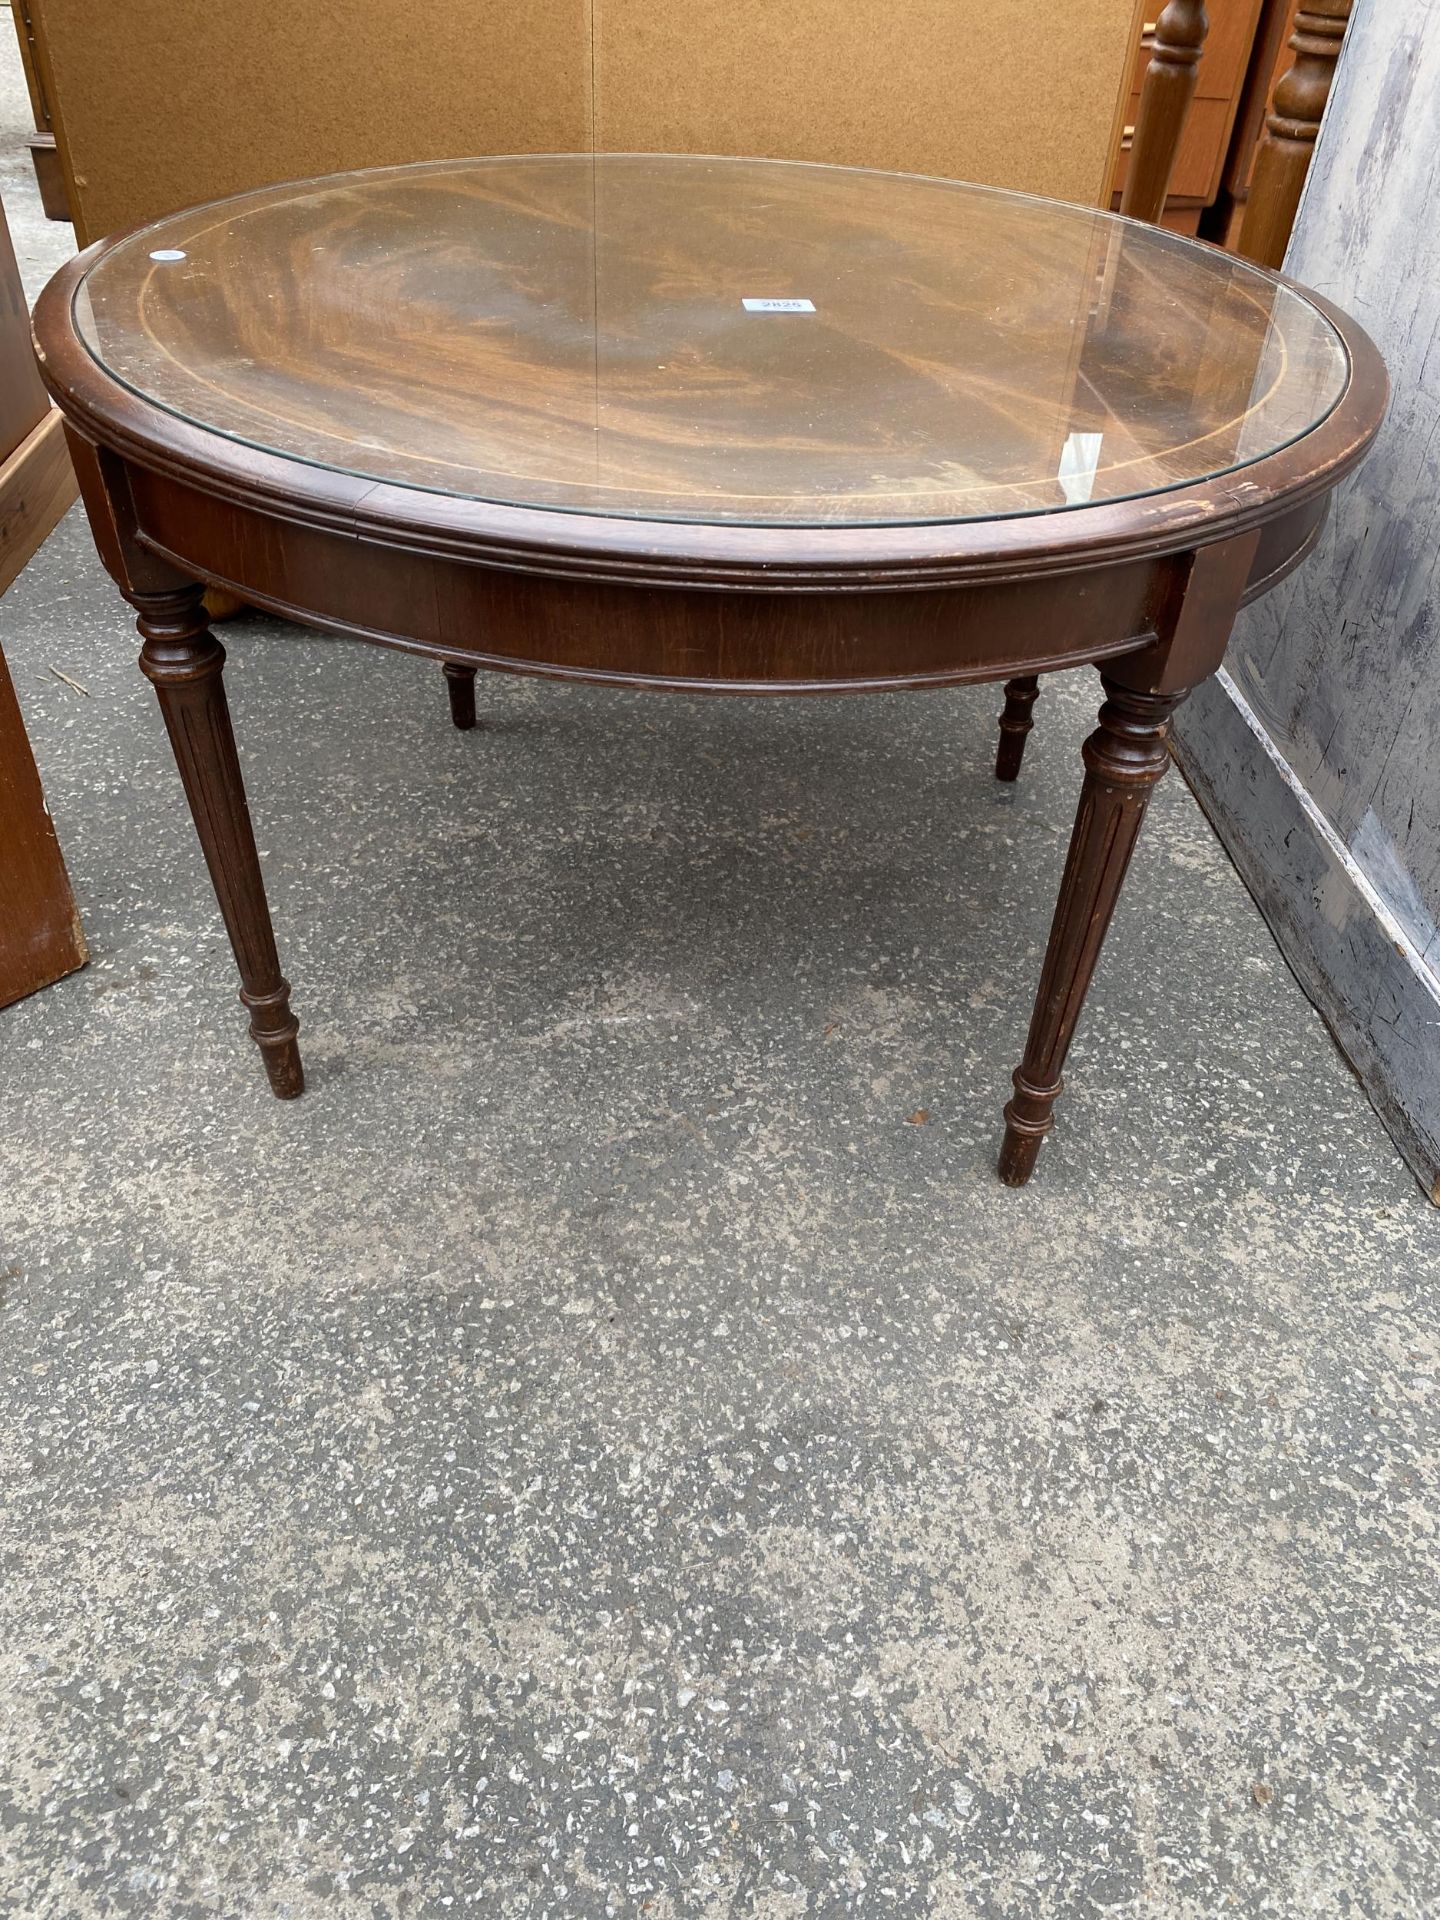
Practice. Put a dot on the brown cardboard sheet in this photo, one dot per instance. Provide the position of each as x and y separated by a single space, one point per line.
162 103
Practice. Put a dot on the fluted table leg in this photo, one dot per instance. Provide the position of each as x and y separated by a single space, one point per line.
1015 724
1124 759
184 662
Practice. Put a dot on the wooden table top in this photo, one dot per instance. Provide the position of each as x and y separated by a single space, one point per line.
601 335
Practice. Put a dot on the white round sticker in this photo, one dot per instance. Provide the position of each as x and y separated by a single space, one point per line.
167 253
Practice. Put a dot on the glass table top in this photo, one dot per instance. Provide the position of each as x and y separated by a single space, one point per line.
709 340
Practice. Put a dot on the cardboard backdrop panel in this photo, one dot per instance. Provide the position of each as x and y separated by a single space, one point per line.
969 89
162 103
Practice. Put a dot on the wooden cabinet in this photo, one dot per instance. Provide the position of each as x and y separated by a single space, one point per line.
49 174
1225 68
40 937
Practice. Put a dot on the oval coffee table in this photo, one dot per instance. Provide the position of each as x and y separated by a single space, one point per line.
738 426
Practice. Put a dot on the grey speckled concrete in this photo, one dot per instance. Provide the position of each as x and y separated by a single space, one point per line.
594 1455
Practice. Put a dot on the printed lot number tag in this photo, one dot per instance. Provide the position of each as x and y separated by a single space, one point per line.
779 306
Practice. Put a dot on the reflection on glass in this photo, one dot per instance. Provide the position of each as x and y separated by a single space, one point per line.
711 340
1079 464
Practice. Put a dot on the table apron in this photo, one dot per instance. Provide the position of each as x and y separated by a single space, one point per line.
672 638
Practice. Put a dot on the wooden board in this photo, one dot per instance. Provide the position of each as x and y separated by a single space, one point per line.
37 484
1201 155
24 402
162 103
40 936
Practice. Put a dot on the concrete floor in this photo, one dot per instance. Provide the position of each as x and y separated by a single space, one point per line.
598 1454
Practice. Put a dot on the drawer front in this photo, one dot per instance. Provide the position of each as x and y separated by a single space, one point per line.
1202 149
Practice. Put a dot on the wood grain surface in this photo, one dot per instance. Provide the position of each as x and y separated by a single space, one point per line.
40 934
1282 158
573 333
40 937
37 485
1177 44
23 402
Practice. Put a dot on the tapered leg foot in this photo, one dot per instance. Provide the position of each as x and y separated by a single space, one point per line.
1018 1154
1124 758
278 1046
461 683
1015 724
184 662
1028 1118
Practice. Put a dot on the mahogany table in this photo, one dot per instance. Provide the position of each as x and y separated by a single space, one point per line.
738 426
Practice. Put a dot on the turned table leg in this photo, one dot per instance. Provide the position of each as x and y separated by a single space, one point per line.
1124 758
460 680
184 661
1015 723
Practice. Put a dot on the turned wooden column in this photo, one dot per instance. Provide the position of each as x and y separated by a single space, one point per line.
460 681
1124 758
1164 102
184 661
1015 724
1283 156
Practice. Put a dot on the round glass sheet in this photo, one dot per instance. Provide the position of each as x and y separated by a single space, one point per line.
711 340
